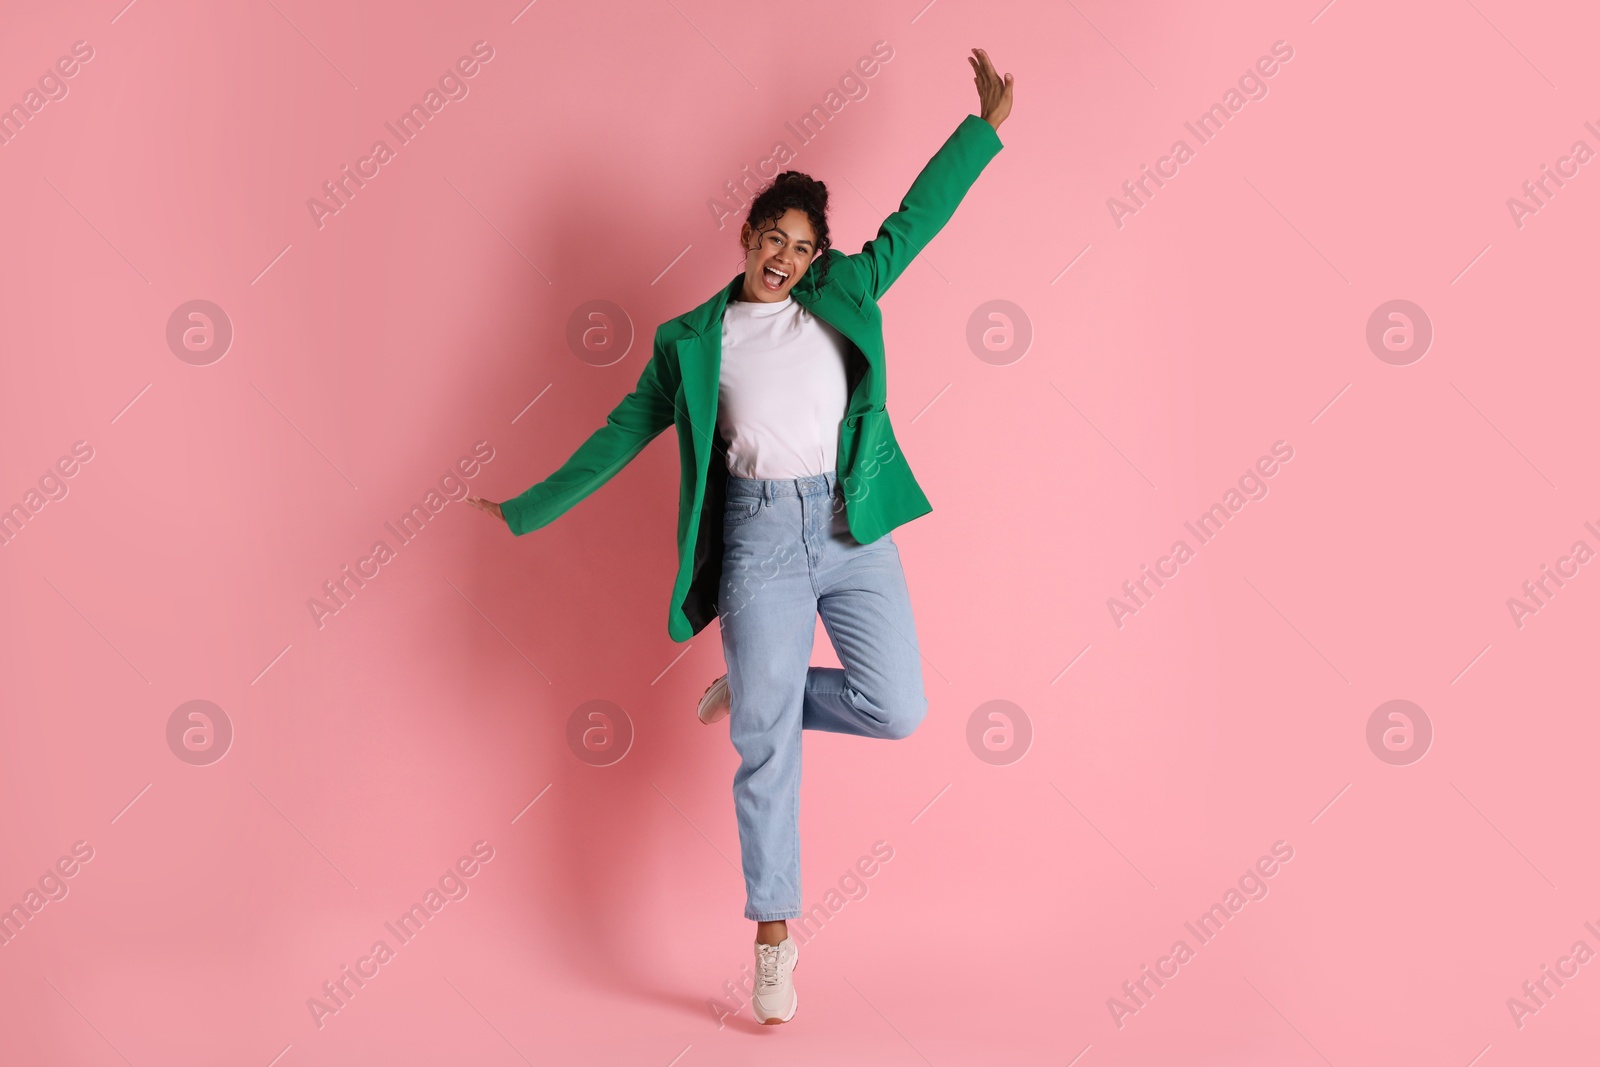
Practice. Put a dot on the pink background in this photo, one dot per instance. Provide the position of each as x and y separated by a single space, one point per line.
1230 713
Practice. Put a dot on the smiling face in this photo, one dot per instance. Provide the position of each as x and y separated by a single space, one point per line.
777 256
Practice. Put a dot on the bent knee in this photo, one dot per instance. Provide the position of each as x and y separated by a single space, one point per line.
902 719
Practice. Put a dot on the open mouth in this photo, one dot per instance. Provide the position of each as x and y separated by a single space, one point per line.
773 278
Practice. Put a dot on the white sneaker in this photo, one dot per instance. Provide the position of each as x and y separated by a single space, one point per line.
774 999
715 702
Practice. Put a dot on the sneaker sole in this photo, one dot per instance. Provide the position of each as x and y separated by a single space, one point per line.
793 1007
775 1021
700 712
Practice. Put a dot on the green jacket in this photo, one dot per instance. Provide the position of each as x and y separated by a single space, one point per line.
679 386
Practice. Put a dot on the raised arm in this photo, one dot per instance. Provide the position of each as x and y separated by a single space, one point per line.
632 424
939 188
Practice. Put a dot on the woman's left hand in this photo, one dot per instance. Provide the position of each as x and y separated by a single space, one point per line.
489 506
994 93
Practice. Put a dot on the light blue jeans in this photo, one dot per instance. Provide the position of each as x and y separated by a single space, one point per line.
788 557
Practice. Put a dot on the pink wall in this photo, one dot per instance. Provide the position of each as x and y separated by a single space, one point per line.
1170 350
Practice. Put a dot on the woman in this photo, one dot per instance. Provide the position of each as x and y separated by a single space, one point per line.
781 376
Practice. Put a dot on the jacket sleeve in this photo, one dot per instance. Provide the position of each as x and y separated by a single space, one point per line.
632 424
928 205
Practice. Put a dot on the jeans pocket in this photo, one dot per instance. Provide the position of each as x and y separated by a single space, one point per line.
740 510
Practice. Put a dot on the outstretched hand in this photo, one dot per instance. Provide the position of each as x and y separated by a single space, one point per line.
994 93
486 505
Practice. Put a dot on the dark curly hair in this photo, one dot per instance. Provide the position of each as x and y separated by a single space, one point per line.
793 189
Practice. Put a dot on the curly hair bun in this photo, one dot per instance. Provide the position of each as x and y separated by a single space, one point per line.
803 185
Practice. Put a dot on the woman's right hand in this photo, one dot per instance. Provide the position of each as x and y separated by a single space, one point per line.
994 92
486 505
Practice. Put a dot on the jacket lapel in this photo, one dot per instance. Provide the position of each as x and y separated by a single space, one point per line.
700 361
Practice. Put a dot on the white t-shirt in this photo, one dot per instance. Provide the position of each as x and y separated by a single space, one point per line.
782 390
